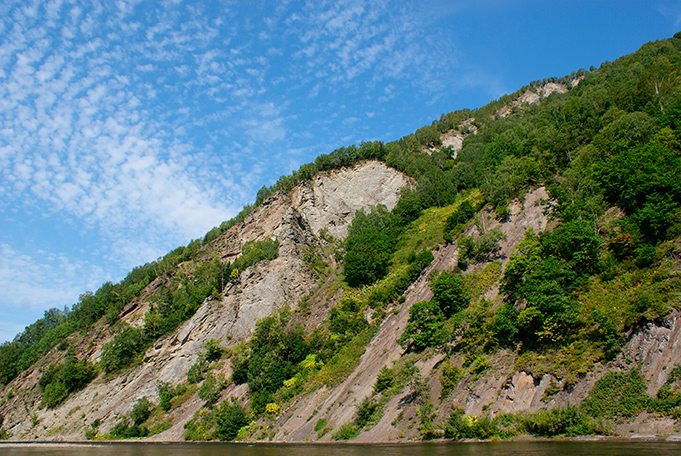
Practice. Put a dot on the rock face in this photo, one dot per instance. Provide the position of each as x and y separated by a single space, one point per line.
330 201
297 221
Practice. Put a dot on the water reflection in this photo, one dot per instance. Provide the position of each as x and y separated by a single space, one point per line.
609 448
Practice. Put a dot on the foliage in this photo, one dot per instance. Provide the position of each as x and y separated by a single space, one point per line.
60 380
369 246
347 431
450 375
123 350
617 395
141 411
166 393
424 328
210 389
484 248
229 418
448 293
384 380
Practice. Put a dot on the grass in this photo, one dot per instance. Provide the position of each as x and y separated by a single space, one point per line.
480 282
427 231
344 362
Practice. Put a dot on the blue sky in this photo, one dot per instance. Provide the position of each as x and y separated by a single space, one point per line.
128 128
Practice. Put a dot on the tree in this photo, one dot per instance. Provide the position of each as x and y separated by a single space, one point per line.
424 328
369 246
448 293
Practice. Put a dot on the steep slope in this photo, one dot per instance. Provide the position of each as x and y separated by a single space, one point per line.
522 278
230 317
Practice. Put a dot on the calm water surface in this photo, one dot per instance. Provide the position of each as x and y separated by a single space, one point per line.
609 448
624 448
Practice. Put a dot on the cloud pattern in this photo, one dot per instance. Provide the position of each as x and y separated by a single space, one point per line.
140 125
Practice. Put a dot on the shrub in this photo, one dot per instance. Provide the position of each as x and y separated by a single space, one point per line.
210 390
141 411
449 377
54 394
368 411
562 421
384 380
424 328
369 246
196 372
459 426
123 350
448 293
60 380
166 393
229 418
348 431
617 395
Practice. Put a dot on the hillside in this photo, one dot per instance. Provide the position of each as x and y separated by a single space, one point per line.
511 270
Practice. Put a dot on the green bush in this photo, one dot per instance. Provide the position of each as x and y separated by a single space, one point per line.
384 380
449 293
54 394
617 395
347 318
210 390
166 393
141 411
424 328
369 246
568 421
123 350
347 431
196 373
229 418
60 380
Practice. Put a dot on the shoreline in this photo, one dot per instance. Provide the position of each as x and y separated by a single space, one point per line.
674 438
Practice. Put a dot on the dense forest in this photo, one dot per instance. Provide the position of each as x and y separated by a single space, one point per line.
608 152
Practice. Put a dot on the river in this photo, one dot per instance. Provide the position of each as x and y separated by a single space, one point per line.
557 448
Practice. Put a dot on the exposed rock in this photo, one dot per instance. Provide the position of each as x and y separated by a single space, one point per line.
331 200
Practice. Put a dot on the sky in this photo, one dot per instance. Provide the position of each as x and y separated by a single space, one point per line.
129 128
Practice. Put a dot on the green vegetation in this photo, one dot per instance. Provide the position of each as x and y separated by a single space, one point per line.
608 153
60 380
616 397
222 422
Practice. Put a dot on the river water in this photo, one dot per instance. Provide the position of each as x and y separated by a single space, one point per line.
558 448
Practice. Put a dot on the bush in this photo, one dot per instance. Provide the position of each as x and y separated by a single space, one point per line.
210 390
348 431
199 368
448 293
229 418
369 246
449 378
424 328
461 215
460 427
562 421
166 393
617 395
141 411
54 394
384 380
60 380
347 318
123 350
368 411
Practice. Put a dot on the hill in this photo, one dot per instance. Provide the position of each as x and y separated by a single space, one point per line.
504 271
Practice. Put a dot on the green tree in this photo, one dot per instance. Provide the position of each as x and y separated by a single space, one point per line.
369 245
448 293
